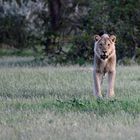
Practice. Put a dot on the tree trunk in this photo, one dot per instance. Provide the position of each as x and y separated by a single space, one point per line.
55 13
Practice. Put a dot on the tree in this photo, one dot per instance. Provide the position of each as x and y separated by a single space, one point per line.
66 27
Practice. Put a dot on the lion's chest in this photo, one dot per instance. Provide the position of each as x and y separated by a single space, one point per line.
104 66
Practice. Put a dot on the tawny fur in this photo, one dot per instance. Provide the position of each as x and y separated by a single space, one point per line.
104 62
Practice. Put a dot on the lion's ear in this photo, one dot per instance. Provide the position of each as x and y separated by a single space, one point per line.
113 38
97 37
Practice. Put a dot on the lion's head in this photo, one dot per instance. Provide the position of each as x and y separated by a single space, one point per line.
104 46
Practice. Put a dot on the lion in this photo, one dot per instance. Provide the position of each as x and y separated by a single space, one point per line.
104 62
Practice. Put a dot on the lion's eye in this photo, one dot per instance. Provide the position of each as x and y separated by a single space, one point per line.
108 44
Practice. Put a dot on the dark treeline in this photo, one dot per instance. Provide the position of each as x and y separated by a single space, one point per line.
62 30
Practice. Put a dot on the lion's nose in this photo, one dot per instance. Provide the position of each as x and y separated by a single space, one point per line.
104 51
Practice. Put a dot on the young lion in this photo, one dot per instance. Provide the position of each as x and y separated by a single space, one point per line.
104 62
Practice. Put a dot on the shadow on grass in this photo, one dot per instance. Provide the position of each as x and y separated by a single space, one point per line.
99 107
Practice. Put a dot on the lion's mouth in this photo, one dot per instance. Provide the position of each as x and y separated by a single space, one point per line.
104 57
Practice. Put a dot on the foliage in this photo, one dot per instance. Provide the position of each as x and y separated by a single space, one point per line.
66 28
12 27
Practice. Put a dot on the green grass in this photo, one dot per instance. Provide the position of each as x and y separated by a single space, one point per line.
16 52
57 103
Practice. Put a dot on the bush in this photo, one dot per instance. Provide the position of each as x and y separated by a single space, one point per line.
30 25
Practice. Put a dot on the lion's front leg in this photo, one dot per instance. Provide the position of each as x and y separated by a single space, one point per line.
111 82
97 84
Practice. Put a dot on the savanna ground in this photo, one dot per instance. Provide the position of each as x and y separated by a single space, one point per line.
56 103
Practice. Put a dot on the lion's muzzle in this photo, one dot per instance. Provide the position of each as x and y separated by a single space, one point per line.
104 56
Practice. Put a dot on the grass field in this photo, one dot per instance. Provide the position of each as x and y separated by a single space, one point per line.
56 103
